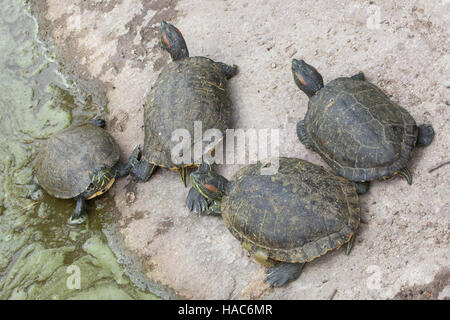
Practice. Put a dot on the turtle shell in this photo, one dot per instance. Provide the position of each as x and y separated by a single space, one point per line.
67 157
359 131
295 215
188 92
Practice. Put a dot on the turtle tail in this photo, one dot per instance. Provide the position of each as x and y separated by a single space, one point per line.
406 174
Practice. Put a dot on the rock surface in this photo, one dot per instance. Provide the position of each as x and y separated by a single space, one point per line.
403 241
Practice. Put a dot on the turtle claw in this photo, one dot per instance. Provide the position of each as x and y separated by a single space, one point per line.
283 273
196 202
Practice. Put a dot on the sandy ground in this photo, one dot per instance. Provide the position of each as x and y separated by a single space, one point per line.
402 246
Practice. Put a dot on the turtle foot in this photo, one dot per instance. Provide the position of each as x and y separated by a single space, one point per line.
140 169
283 273
196 202
229 71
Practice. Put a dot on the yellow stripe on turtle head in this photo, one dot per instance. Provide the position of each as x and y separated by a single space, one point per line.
103 190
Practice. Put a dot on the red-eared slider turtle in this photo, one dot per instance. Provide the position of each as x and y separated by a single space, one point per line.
356 128
81 162
188 91
291 217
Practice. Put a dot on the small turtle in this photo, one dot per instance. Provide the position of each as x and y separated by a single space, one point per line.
356 128
189 90
80 162
291 217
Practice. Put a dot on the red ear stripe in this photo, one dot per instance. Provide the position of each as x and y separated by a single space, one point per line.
210 187
166 41
301 79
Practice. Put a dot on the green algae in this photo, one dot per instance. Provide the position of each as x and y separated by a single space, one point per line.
38 249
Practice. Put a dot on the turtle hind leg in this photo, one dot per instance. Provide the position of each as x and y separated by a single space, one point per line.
283 273
362 187
405 173
426 135
301 134
359 76
79 215
229 71
140 169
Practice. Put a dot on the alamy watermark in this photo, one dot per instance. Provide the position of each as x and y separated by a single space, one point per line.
374 17
73 281
241 147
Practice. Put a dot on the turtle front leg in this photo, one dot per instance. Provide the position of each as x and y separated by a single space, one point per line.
301 134
359 76
426 135
79 215
283 273
229 71
196 202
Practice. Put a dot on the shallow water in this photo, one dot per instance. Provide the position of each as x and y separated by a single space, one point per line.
41 256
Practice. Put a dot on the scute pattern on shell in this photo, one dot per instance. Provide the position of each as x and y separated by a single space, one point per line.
64 161
359 131
295 215
189 90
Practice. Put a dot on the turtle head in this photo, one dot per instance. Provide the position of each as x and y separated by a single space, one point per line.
210 184
306 77
172 40
101 180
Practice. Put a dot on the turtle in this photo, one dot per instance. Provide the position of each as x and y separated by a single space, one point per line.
79 162
354 126
189 91
286 219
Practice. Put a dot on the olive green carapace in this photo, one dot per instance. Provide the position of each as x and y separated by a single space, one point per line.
295 215
65 161
356 128
359 131
187 90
